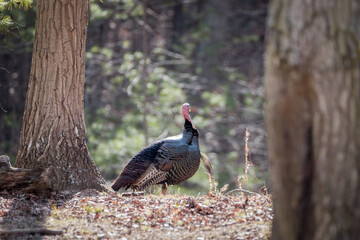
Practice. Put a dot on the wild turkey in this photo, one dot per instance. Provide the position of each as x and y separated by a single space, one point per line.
168 161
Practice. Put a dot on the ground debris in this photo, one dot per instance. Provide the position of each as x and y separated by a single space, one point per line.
112 216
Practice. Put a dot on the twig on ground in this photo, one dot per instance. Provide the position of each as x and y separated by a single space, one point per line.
43 231
245 191
132 194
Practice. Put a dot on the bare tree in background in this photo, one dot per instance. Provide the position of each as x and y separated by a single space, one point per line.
53 129
313 118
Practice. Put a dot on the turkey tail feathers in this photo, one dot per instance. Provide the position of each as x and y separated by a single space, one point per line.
207 164
119 183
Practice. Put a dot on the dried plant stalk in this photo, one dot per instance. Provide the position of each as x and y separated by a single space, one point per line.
247 151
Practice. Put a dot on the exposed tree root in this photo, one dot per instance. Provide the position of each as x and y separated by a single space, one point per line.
25 180
38 181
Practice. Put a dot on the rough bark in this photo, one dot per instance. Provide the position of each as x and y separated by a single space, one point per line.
53 129
312 86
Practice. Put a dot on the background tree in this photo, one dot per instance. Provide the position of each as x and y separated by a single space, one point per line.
6 22
14 45
313 118
53 128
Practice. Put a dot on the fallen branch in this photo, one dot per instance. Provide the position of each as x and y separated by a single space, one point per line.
25 180
42 231
132 194
246 191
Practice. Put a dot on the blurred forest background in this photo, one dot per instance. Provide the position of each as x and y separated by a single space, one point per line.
142 63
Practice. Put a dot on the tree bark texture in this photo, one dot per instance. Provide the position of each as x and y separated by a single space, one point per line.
53 129
312 73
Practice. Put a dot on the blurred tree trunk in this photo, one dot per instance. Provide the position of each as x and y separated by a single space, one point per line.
53 129
177 21
313 118
210 49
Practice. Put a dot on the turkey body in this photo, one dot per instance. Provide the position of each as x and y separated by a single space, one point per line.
169 161
186 166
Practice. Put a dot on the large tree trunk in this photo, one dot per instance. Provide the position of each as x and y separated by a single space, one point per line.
53 129
313 118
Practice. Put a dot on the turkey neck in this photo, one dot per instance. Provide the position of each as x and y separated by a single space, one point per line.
195 141
187 132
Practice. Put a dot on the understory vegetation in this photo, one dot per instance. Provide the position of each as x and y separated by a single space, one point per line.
142 63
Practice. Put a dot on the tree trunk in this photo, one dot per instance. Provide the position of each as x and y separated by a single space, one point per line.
313 118
210 50
53 129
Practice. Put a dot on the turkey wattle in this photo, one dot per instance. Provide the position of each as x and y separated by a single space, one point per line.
169 161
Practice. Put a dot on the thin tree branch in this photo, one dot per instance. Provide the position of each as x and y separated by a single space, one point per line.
144 74
246 191
43 231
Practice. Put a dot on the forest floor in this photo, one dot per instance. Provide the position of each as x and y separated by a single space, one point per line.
93 215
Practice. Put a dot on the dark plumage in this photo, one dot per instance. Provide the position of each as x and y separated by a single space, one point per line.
168 161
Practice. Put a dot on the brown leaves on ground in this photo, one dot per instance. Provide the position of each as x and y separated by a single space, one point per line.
93 215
